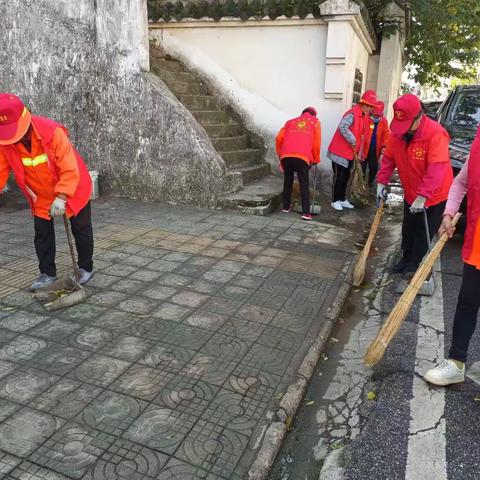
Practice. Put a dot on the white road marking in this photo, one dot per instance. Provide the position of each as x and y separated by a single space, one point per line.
426 458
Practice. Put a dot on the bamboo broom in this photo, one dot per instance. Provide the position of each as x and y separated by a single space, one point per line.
394 321
359 271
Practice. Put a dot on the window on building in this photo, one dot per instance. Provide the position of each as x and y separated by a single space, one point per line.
357 86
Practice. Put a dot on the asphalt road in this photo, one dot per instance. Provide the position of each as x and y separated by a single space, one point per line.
387 422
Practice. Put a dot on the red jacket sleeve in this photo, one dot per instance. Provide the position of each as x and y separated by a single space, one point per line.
279 140
388 166
317 142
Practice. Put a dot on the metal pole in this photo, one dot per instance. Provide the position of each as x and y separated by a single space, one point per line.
427 230
312 208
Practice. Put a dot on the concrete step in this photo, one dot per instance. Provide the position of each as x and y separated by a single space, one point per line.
259 197
168 65
171 78
252 173
199 102
242 158
226 144
212 117
223 130
187 88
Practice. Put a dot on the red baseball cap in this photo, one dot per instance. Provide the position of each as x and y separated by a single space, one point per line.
378 110
405 109
310 110
14 119
369 98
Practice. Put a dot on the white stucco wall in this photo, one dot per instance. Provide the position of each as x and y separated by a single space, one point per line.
281 64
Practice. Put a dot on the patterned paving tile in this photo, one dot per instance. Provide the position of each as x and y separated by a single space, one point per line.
269 359
72 449
189 299
142 382
159 292
89 338
178 470
24 384
206 320
171 311
222 306
22 321
225 347
7 463
209 369
256 313
242 329
111 412
160 428
127 347
282 339
99 370
129 461
66 398
22 348
167 357
213 448
138 305
30 471
187 336
26 430
84 312
55 330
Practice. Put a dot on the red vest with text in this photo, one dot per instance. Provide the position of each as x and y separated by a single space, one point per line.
339 146
46 129
471 245
299 139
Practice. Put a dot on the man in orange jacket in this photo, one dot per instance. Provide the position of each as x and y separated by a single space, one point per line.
418 148
54 179
298 146
377 137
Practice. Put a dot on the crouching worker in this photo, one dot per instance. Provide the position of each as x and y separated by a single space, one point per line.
54 179
452 369
298 146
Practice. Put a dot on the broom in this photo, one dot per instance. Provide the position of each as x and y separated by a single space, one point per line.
359 271
394 321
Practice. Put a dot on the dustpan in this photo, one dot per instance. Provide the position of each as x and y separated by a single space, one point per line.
66 291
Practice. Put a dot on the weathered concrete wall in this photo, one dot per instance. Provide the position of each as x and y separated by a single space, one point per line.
80 62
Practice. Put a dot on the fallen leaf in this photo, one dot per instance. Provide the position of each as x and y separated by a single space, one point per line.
311 402
7 309
335 340
371 395
477 399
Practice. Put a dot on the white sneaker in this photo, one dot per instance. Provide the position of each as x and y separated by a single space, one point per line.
337 205
445 374
83 276
347 204
42 281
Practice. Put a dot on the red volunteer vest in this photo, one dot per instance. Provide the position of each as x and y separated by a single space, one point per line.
298 139
46 129
471 245
339 146
412 163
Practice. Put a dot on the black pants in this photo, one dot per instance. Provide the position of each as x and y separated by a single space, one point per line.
341 175
414 238
290 166
372 163
45 241
465 319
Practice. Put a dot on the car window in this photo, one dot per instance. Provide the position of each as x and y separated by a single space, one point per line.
465 112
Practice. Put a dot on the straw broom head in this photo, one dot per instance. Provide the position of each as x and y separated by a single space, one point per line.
377 348
359 271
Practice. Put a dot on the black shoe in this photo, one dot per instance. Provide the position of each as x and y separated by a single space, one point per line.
401 266
410 271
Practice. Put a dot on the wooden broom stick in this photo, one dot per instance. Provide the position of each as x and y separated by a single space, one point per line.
394 321
359 271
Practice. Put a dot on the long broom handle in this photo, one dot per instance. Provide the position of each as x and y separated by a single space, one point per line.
359 271
70 241
314 189
405 302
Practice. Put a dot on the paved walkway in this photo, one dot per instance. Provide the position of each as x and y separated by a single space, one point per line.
195 325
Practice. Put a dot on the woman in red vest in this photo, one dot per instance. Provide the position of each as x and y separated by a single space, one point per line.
298 146
377 137
54 179
452 370
418 148
347 145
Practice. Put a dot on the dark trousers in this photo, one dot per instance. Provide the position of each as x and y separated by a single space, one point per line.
414 238
341 175
290 166
372 163
45 241
466 314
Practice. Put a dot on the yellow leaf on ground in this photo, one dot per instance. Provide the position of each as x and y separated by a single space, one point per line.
371 395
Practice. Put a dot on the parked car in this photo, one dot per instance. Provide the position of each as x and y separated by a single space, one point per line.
460 115
431 108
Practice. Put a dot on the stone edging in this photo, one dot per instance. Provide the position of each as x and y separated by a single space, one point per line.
275 433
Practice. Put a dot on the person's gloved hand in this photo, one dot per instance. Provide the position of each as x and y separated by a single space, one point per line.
382 193
57 208
418 205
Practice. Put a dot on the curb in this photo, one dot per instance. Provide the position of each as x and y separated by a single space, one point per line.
273 438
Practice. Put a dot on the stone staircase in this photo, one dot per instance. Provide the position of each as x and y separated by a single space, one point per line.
241 150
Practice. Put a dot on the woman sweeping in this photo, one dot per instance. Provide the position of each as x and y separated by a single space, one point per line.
452 369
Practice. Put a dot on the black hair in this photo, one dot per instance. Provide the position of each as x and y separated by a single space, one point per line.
310 111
